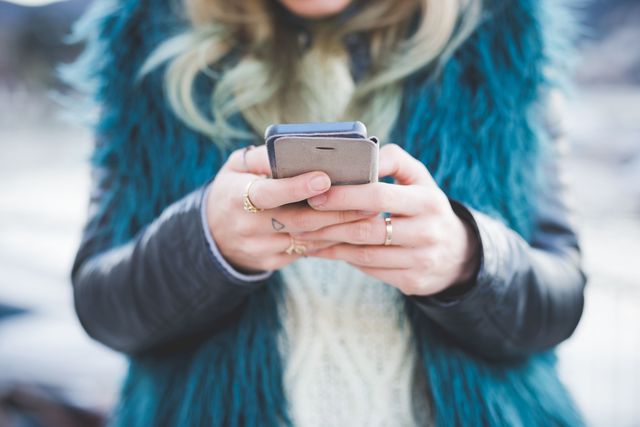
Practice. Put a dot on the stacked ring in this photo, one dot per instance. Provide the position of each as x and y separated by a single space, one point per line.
246 200
295 248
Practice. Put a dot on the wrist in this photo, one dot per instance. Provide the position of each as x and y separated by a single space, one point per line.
237 273
471 254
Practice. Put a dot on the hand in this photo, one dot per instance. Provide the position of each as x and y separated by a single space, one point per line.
257 241
431 247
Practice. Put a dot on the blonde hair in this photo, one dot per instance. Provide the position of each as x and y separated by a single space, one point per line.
273 81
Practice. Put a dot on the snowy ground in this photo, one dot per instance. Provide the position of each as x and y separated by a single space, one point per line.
43 192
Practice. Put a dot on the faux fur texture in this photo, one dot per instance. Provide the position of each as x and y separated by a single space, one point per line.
476 127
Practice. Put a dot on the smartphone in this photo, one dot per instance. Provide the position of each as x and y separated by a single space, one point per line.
340 149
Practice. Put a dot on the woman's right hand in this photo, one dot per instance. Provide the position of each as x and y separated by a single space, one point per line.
257 241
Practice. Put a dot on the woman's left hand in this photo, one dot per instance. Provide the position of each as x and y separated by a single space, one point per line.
431 248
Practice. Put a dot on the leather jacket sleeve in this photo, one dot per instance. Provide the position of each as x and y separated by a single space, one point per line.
161 287
526 297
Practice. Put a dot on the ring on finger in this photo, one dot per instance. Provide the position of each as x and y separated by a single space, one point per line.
294 247
388 232
247 204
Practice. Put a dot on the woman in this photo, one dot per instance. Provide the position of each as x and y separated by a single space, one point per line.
325 313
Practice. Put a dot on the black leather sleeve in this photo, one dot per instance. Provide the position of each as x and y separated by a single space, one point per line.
161 287
526 297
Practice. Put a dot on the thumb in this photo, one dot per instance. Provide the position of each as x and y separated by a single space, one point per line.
406 169
271 193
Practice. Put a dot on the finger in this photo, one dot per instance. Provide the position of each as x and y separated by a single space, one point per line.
405 280
373 231
396 277
370 256
378 197
387 275
317 245
299 219
278 243
272 193
279 260
406 169
250 160
273 251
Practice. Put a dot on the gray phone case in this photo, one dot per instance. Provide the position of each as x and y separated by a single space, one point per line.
346 158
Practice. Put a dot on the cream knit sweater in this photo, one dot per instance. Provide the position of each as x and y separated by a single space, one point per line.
349 354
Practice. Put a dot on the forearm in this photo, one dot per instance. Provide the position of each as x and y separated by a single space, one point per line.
163 285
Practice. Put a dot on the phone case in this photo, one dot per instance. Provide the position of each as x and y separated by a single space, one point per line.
342 150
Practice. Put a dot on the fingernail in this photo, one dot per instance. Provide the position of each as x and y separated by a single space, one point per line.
320 183
317 200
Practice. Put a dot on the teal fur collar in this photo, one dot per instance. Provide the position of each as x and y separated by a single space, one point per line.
477 129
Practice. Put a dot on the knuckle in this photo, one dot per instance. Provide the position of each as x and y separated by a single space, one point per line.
298 191
265 193
384 195
427 234
234 157
302 221
344 216
421 165
299 188
392 148
364 256
422 235
423 260
395 148
424 202
341 196
361 232
437 235
438 202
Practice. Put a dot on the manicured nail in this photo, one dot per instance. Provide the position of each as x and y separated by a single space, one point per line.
320 183
317 200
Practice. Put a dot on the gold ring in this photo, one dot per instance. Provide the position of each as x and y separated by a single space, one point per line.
246 201
388 231
294 247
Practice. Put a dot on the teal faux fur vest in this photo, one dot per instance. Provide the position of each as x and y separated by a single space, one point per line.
477 129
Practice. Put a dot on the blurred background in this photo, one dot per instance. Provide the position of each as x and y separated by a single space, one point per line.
52 374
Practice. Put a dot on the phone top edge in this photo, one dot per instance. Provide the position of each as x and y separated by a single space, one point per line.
347 129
